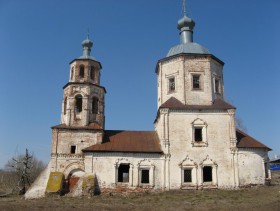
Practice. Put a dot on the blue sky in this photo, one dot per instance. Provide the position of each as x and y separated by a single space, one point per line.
39 38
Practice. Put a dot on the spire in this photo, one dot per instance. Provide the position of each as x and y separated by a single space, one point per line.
87 44
186 25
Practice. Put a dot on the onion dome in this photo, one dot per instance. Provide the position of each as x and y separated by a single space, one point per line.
186 26
87 45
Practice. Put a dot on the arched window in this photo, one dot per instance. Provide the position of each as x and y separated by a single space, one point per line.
72 73
82 71
65 105
78 103
92 73
94 108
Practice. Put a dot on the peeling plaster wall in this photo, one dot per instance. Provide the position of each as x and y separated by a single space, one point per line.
182 69
216 149
105 165
251 166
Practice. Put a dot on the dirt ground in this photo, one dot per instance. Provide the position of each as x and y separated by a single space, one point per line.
264 198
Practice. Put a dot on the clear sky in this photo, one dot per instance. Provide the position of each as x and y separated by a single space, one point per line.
39 38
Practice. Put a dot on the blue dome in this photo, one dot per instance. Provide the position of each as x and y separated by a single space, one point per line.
190 47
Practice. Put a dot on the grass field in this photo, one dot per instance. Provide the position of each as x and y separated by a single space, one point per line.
263 198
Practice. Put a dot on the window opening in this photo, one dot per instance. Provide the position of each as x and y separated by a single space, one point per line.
73 149
145 176
82 71
207 174
196 82
187 175
72 73
171 84
94 106
217 85
198 134
65 105
123 173
92 75
79 104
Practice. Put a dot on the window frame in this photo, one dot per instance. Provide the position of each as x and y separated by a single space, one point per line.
81 71
141 176
199 82
199 124
78 108
65 106
73 149
204 168
119 175
217 85
95 105
92 73
171 84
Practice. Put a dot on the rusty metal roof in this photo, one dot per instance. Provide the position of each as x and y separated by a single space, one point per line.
246 141
127 141
218 104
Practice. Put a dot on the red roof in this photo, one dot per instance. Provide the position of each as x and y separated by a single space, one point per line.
219 104
127 141
246 141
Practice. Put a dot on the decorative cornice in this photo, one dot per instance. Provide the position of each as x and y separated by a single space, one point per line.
67 155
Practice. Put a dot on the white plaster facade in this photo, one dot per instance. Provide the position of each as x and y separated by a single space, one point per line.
195 132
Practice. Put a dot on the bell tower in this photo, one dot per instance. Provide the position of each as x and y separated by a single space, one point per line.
84 99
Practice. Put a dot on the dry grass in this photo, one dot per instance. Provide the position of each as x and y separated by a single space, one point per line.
254 198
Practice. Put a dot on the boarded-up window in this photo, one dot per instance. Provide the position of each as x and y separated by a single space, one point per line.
123 173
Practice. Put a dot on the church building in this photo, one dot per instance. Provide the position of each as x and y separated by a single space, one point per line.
195 144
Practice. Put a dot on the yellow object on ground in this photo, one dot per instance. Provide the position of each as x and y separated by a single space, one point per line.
55 182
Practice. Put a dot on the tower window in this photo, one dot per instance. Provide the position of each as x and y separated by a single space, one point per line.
92 73
72 73
196 82
79 104
65 105
82 71
198 134
94 105
123 173
187 175
171 84
73 149
207 174
145 176
217 86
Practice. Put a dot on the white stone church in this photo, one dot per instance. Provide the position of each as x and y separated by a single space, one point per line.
195 144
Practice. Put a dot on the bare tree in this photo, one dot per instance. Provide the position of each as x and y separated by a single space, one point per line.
239 124
21 171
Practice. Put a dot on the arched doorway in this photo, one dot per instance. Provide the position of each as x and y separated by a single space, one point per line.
72 179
